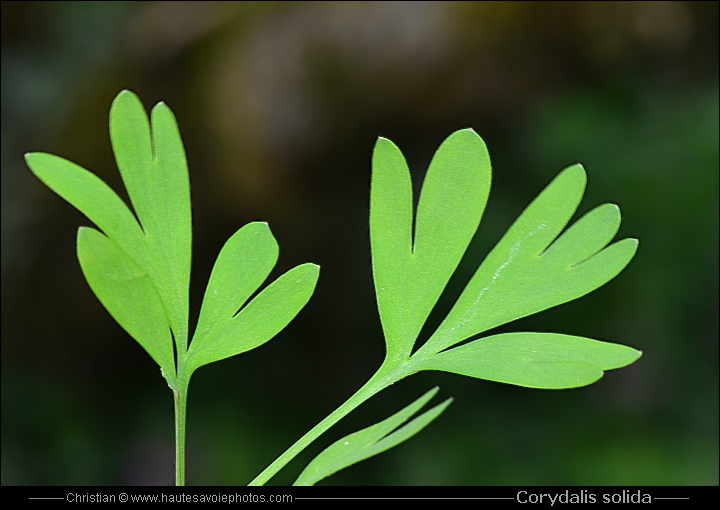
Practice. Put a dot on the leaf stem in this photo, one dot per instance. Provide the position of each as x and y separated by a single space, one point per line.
384 377
180 395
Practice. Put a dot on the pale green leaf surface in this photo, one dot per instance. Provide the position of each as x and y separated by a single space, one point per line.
391 241
407 431
244 262
158 188
174 217
534 360
128 293
522 276
370 441
132 146
260 320
92 197
153 166
154 170
409 279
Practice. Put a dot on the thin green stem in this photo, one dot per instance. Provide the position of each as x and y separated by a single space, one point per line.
180 395
379 381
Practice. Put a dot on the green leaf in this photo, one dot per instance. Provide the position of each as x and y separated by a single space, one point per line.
154 170
410 274
371 441
534 360
535 266
156 250
242 265
92 197
128 293
260 320
139 266
522 276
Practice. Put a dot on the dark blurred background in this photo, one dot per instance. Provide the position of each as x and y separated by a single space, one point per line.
279 105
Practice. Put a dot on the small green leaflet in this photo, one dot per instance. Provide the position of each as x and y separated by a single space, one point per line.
370 441
140 271
535 360
411 273
243 264
128 293
529 270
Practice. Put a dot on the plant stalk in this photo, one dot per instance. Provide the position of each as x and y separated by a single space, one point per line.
180 396
383 378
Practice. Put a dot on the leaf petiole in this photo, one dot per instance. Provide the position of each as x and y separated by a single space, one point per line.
387 375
